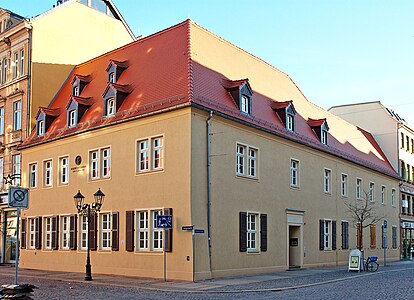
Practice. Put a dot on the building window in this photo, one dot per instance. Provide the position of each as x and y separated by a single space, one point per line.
371 191
407 143
94 163
65 232
240 158
64 170
156 232
16 168
394 237
4 79
290 121
15 65
105 237
32 233
373 236
150 150
412 146
324 136
1 171
252 162
110 107
106 162
327 181
112 77
21 68
48 233
243 152
1 120
40 128
75 91
142 240
33 175
17 115
83 232
100 163
294 173
344 185
383 194
358 188
47 173
245 104
345 234
327 235
393 197
402 140
72 118
252 243
403 170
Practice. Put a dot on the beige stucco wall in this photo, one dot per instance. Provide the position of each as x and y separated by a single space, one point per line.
124 191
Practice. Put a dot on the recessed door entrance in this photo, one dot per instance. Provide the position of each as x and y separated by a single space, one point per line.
294 247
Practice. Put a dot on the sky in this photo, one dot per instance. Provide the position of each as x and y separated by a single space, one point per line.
337 51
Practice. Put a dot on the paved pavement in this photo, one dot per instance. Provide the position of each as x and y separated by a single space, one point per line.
306 283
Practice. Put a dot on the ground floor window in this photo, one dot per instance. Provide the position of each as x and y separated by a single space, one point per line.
327 234
252 232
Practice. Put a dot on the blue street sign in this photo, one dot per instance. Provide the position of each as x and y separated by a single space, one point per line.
198 230
191 227
164 222
385 224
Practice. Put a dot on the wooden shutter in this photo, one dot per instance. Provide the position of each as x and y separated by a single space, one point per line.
23 234
263 232
73 235
129 236
373 236
38 233
333 235
345 235
93 232
243 231
168 232
321 235
115 231
359 236
55 233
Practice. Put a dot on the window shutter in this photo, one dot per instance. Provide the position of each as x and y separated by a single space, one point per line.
55 233
243 231
373 236
359 236
73 235
23 234
263 232
321 235
168 232
347 235
115 231
333 235
93 232
38 233
129 237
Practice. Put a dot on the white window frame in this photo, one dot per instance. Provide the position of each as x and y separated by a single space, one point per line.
110 107
245 104
64 232
105 236
393 197
324 137
83 232
1 170
252 162
17 115
156 233
252 231
41 128
150 154
33 175
371 191
344 185
157 149
327 234
48 173
383 194
247 158
106 162
240 159
143 156
64 170
111 77
15 65
1 120
72 118
16 168
32 233
100 163
94 164
358 186
327 180
21 64
76 91
294 172
142 230
290 120
47 233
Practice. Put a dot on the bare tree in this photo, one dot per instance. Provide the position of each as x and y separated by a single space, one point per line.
363 214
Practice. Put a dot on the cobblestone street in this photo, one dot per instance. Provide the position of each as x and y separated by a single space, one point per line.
327 283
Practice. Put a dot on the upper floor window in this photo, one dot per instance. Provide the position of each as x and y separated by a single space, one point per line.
294 173
327 181
40 128
110 107
344 185
407 143
290 122
150 154
371 191
72 118
1 120
21 65
320 127
393 197
100 163
286 113
115 69
76 91
358 188
33 175
79 82
402 141
412 145
111 77
241 93
4 63
64 170
15 65
383 194
47 173
1 171
245 104
246 161
16 160
17 115
324 137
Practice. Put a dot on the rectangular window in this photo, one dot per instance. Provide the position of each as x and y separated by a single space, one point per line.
47 173
245 104
17 115
344 185
100 163
294 173
83 232
240 160
40 128
402 140
105 236
156 232
327 181
64 170
1 120
407 143
106 162
358 188
408 172
394 237
252 242
4 70
16 168
33 175
150 154
252 162
94 163
72 118
345 234
32 233
1 171
327 233
142 222
65 232
393 197
48 233
371 191
15 65
245 154
110 107
383 194
290 122
21 68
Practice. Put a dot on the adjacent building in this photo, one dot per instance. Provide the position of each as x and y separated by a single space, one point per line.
187 124
36 56
396 139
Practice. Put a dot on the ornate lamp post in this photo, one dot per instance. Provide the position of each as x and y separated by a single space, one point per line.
89 210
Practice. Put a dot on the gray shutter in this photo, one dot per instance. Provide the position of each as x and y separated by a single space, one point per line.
23 234
263 232
333 235
115 231
73 236
168 232
321 235
347 235
129 236
243 231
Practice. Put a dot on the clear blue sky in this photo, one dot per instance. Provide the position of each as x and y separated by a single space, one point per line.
337 52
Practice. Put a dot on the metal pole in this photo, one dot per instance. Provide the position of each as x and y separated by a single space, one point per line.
165 256
17 246
88 276
193 235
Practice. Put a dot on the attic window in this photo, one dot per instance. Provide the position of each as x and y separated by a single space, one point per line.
44 118
290 121
76 91
110 107
286 113
72 118
40 128
115 69
320 127
113 97
112 77
76 108
241 93
245 104
324 137
79 82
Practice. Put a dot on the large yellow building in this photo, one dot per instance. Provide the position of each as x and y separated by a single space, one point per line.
185 123
36 56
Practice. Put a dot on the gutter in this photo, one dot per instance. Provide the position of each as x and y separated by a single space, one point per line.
209 186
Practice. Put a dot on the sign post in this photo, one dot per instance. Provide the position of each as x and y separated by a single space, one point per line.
164 222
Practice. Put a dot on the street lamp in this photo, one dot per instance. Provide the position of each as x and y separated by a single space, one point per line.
89 210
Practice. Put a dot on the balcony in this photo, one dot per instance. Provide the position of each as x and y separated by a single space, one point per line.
15 137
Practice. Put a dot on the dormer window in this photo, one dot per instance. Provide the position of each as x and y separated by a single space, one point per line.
112 77
324 137
115 69
320 127
76 108
40 128
76 91
79 82
110 107
44 118
286 113
72 118
241 93
114 96
290 122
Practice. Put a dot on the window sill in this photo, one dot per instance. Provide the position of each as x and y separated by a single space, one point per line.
47 187
154 171
247 177
98 179
253 252
295 187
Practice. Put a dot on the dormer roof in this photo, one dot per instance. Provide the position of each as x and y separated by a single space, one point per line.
116 63
313 123
88 101
51 112
83 78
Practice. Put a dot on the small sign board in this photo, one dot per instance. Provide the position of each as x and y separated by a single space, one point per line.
385 224
198 230
355 260
190 227
18 197
164 222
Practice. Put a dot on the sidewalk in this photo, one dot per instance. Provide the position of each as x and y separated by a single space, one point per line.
257 283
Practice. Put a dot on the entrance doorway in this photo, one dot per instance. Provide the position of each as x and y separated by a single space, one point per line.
10 237
294 247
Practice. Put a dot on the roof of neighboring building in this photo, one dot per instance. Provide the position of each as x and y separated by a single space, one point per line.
187 65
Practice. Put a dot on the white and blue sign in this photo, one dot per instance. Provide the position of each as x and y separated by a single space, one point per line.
189 227
385 224
198 230
18 197
164 222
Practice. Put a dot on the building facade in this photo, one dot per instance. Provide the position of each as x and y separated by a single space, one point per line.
396 138
186 124
36 56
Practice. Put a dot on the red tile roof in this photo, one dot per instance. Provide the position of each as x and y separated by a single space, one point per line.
188 65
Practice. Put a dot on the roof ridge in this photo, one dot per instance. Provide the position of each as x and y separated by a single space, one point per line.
190 76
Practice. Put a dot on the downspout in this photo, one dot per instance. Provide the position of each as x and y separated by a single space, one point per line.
208 187
29 82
